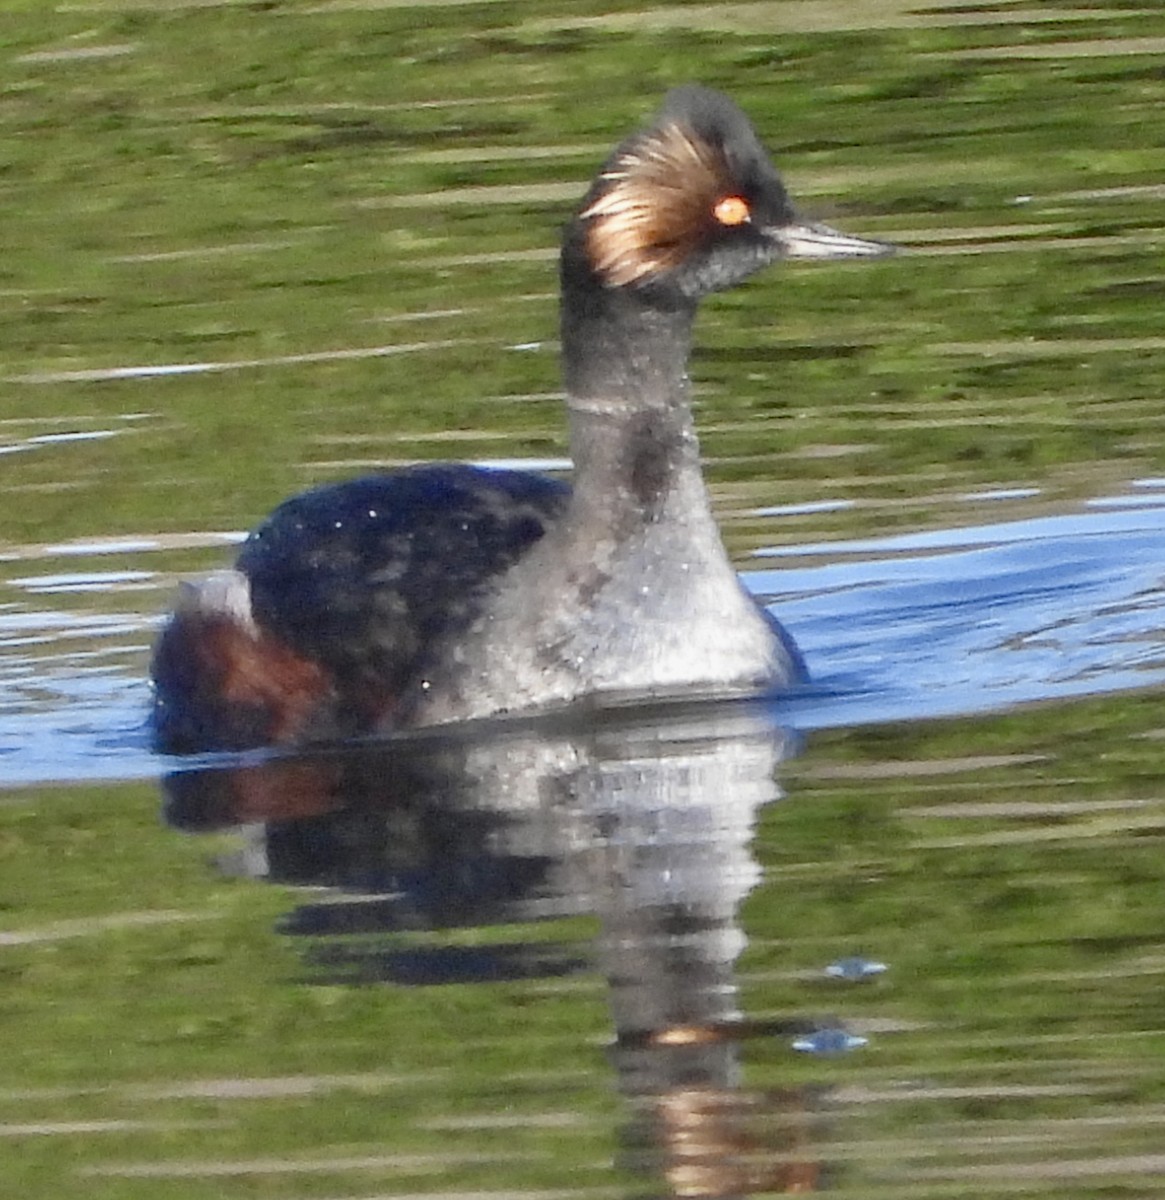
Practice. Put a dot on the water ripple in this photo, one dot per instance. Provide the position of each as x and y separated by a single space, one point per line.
955 621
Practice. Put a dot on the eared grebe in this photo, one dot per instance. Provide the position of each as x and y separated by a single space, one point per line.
446 592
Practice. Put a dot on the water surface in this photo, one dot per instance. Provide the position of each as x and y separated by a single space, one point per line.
247 249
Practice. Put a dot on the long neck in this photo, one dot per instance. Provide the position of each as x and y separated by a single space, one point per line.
632 436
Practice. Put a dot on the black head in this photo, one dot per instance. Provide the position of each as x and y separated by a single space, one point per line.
692 204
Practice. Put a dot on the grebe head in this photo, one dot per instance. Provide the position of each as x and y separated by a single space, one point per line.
690 205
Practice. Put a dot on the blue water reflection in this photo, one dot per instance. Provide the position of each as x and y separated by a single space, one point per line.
957 621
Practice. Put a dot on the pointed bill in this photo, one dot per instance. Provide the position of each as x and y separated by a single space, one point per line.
800 239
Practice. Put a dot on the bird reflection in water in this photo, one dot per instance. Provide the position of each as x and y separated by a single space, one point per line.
645 822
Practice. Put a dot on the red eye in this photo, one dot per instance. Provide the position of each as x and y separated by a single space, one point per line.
732 210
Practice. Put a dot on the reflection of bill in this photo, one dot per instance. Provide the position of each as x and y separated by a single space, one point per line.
645 822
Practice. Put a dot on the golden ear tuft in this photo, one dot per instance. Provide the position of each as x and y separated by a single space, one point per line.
666 193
